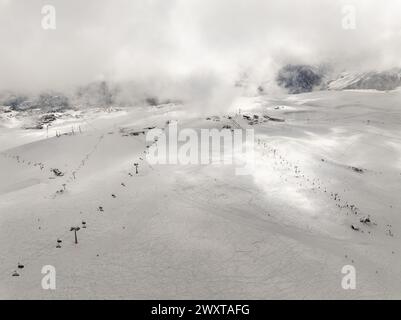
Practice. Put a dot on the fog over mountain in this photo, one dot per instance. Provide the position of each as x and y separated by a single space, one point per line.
200 149
193 50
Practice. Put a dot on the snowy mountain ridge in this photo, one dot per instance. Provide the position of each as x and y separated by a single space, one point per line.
372 80
297 79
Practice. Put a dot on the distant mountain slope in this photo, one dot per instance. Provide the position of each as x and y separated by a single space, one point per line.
306 78
385 80
46 101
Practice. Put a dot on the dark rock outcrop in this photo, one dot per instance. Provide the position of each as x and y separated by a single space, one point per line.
299 78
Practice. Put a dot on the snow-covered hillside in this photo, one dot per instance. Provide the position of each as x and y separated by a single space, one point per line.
385 80
324 194
306 78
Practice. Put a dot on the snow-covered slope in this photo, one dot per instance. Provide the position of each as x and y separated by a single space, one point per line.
189 231
385 80
306 78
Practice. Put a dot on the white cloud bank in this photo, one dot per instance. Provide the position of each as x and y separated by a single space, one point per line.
170 41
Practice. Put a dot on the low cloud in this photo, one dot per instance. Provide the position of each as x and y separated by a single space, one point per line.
196 49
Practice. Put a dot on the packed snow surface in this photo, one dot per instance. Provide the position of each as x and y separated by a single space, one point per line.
324 193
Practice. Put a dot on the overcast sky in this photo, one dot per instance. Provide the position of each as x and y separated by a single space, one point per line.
179 39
